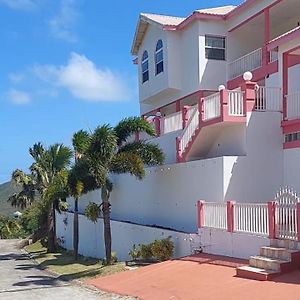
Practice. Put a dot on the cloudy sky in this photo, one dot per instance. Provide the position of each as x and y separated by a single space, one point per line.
66 65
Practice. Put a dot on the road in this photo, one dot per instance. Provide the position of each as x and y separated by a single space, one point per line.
20 279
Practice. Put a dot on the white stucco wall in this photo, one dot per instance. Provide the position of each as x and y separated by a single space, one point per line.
124 236
292 168
240 245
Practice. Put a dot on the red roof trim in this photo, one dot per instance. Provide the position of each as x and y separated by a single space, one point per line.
284 39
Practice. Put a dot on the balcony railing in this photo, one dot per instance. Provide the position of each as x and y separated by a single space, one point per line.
236 103
172 122
268 99
248 62
212 107
293 106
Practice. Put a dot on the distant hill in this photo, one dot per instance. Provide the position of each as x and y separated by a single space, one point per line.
6 190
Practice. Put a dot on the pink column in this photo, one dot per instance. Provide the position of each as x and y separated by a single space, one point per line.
298 222
201 110
177 105
178 150
266 53
230 216
285 83
185 116
271 215
200 210
248 89
224 102
157 125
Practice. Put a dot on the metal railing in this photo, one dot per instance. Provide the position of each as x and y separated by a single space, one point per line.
293 106
212 107
236 103
268 99
215 215
172 122
248 62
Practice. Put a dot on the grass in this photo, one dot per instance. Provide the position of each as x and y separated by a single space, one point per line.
63 264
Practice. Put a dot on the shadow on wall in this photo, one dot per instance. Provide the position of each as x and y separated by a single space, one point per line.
257 176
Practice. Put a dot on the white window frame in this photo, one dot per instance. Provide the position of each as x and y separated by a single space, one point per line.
161 61
212 47
145 60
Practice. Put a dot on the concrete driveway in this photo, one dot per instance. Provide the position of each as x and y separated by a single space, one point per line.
20 279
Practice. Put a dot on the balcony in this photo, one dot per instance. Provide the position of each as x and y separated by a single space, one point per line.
293 106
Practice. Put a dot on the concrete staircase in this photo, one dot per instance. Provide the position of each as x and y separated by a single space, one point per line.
282 256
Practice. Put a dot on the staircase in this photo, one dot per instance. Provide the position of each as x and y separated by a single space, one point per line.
282 256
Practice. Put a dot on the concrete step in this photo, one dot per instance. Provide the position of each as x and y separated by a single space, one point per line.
256 273
277 253
266 263
285 243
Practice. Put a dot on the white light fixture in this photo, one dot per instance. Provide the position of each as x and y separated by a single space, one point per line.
221 87
247 76
158 114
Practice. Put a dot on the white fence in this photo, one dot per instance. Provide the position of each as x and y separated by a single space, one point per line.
235 101
251 218
249 62
190 129
293 106
268 99
172 122
212 107
215 215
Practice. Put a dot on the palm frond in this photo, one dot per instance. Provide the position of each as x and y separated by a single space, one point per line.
150 153
128 162
80 141
132 125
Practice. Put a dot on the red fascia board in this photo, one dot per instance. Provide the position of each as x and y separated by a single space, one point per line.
284 39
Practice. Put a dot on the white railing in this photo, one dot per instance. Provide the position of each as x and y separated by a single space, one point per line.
192 109
293 106
190 129
235 102
170 123
286 221
249 62
273 56
215 215
251 218
268 99
212 107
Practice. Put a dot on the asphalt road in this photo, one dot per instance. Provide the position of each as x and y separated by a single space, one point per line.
20 279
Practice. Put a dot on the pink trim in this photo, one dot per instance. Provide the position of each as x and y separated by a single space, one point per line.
285 38
298 221
294 60
230 216
248 89
200 210
185 116
291 145
285 83
178 108
271 216
290 126
157 125
178 150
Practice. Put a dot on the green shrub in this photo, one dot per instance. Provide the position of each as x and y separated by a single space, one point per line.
135 253
114 257
162 249
146 251
93 212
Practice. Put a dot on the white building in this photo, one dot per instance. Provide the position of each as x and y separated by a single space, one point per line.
227 135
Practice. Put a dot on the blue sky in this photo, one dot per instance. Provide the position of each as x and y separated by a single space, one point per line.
47 46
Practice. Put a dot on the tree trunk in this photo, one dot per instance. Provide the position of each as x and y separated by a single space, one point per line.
51 247
106 222
76 231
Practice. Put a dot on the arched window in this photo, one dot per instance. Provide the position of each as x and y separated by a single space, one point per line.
159 57
145 67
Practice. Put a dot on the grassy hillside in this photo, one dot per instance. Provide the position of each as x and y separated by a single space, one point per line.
6 190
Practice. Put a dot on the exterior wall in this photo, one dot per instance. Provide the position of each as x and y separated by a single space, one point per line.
257 176
124 236
292 168
240 245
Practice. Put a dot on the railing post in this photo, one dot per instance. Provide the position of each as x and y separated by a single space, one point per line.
178 150
185 116
200 210
298 221
271 217
249 96
201 110
157 125
224 102
230 216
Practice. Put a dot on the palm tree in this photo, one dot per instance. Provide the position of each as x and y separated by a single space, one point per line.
110 152
48 179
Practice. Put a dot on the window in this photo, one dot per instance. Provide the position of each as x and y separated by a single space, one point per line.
159 58
145 67
215 47
291 137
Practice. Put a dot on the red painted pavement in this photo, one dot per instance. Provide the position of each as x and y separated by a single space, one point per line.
198 277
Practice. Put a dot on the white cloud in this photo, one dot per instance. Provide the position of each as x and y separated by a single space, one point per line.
19 4
61 26
16 77
18 97
84 80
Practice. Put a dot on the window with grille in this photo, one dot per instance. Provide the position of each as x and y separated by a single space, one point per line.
215 47
145 67
159 57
